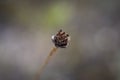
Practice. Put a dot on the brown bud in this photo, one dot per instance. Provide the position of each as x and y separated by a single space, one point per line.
60 39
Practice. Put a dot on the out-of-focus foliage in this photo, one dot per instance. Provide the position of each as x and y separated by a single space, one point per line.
57 14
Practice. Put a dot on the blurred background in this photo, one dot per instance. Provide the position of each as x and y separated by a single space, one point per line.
26 27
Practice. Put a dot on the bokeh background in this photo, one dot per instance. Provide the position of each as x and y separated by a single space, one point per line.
26 27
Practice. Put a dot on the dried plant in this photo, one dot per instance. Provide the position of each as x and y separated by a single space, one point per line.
60 40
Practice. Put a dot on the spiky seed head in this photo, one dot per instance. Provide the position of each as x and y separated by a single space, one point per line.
61 39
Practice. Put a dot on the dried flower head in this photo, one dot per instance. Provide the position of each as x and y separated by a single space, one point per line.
61 39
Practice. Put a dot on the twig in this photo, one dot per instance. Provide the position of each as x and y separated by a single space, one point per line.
45 63
60 40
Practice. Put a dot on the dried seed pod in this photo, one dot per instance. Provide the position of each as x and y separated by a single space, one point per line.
61 39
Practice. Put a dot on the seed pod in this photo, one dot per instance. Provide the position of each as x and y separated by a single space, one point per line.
61 39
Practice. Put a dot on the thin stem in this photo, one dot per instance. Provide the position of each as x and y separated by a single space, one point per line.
37 77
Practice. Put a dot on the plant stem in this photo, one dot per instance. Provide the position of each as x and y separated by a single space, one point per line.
37 77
